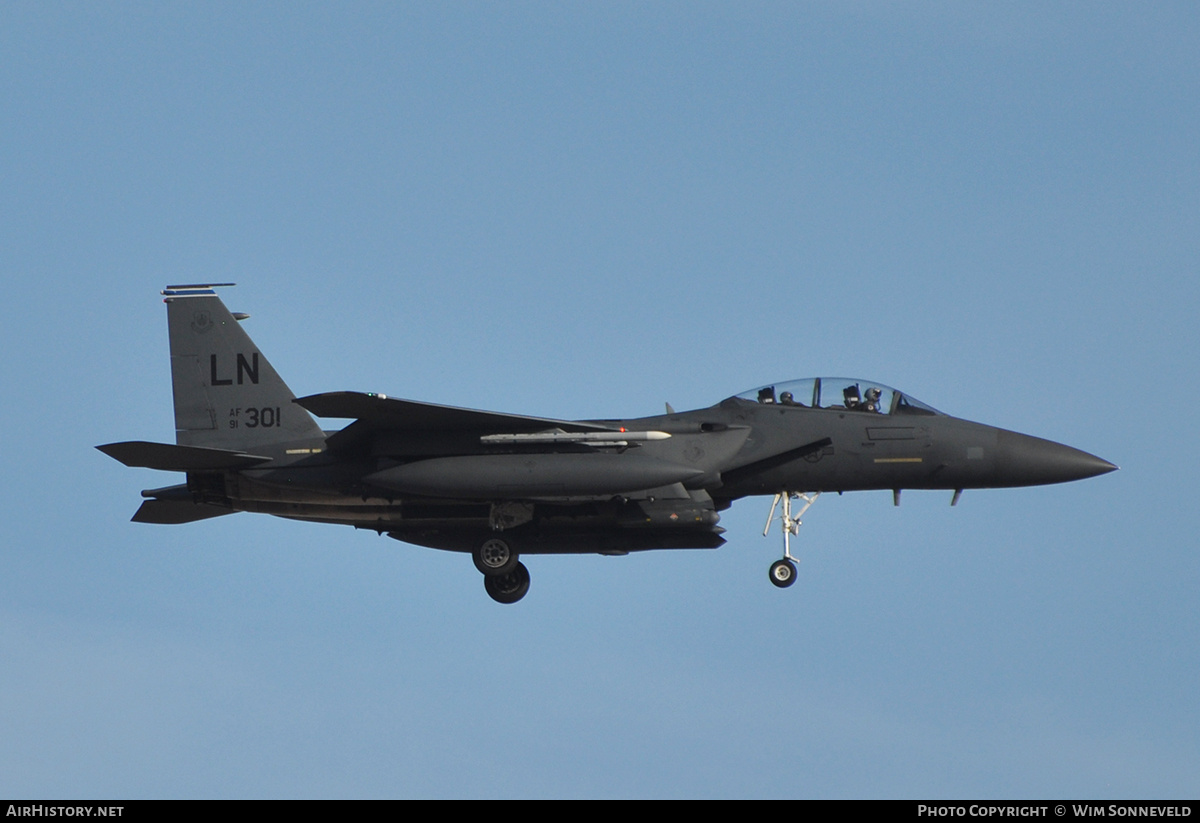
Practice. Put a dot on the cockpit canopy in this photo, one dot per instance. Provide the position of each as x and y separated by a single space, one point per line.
850 394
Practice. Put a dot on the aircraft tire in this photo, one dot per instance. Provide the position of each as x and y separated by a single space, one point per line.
495 557
783 573
508 588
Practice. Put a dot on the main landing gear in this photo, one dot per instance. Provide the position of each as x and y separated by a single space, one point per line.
505 577
783 572
495 556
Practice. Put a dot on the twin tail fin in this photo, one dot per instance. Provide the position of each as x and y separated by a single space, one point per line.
227 395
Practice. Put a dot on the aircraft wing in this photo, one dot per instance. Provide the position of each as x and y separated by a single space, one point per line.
381 413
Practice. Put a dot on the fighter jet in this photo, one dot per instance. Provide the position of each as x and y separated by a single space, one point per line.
498 486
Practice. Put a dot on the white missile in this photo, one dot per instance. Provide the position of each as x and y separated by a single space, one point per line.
559 436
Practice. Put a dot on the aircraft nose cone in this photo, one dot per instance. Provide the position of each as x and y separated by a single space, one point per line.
1031 461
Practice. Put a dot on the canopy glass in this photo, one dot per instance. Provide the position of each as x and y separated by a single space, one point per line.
848 393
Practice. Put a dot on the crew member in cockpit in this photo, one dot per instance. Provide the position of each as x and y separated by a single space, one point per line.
872 402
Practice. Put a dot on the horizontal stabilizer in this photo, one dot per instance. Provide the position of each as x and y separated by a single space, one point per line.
389 414
168 457
174 512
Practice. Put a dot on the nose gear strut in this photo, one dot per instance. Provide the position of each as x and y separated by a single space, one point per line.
783 572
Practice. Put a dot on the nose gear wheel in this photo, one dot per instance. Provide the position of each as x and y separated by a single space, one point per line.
783 573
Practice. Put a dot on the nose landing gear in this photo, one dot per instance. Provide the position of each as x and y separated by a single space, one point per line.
783 572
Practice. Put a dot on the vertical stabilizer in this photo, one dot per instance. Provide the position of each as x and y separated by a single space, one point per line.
227 395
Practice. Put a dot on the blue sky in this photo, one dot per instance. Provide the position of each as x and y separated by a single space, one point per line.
585 210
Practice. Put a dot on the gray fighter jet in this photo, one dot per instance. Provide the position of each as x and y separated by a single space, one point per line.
497 486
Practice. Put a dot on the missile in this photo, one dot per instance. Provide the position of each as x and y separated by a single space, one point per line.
614 438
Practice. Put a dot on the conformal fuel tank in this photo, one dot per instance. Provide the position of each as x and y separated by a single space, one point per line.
489 476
